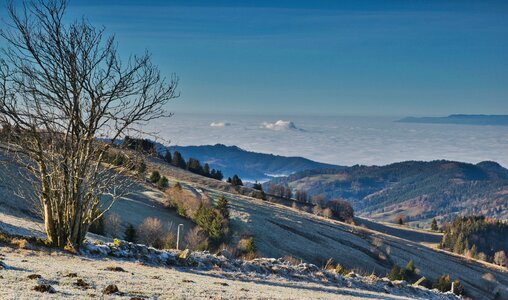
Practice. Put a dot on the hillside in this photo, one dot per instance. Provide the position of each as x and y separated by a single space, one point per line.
251 166
493 120
416 191
280 231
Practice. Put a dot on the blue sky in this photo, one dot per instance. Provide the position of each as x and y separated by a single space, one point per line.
320 57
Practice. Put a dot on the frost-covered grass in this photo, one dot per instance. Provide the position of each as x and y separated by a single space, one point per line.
202 276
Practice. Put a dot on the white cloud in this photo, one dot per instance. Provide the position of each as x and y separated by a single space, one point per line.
220 124
279 125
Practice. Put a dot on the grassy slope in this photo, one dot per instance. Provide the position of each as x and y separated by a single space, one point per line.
281 231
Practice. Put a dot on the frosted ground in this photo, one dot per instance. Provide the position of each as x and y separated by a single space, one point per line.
340 140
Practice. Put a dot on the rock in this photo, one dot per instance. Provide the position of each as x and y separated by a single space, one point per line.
225 253
110 289
82 284
71 275
185 255
34 276
115 269
44 288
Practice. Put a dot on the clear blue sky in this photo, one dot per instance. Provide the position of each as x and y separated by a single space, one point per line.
321 57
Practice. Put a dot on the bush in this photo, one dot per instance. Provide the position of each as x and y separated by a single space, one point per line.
141 167
408 273
152 233
163 182
258 194
443 284
119 159
184 201
196 239
247 248
341 209
155 177
112 225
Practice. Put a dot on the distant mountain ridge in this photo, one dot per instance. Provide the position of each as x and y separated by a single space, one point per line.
414 190
248 165
497 120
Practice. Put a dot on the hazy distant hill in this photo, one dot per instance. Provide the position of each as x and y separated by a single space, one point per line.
413 190
248 165
500 120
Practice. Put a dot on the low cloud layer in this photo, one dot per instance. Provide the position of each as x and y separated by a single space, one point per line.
341 140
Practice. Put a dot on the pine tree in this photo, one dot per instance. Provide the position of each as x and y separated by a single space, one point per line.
257 186
222 207
168 157
194 166
400 221
163 182
130 234
206 170
219 175
178 160
433 225
155 177
236 181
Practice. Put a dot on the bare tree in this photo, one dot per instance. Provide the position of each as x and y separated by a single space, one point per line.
62 87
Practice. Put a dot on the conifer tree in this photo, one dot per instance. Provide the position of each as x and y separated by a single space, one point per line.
178 160
130 234
155 177
206 169
168 157
433 226
222 207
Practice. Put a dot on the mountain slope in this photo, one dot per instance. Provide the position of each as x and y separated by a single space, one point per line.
413 190
492 120
279 231
248 165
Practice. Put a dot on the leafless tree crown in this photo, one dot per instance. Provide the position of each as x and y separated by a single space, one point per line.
63 86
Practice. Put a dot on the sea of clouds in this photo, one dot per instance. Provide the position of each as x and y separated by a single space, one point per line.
339 140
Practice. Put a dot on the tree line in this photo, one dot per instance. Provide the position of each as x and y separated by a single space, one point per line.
176 159
477 237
